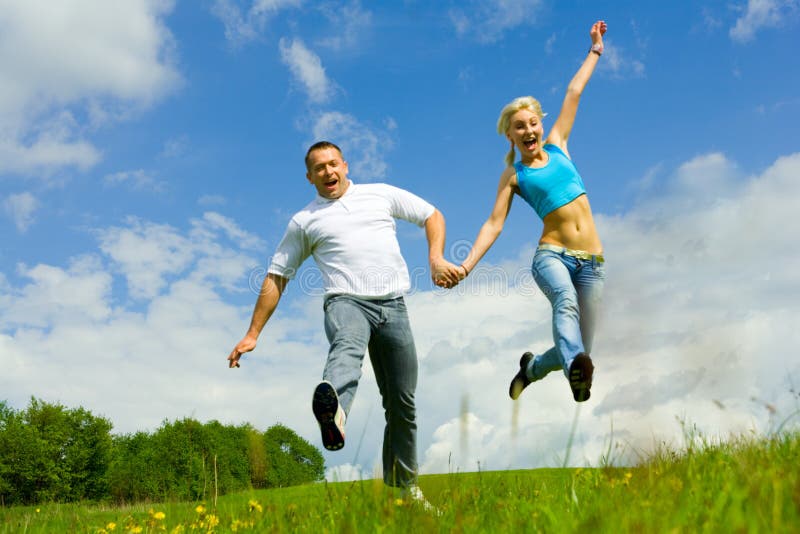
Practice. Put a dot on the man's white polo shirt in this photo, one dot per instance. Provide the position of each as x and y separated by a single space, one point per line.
353 240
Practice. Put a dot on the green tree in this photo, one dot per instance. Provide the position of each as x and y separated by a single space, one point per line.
257 455
135 473
50 453
291 460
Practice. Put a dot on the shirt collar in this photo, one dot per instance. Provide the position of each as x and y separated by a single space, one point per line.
322 200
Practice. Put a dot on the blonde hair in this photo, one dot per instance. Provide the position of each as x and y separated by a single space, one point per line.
504 122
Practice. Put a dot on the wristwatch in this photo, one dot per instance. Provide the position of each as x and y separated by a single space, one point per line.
597 48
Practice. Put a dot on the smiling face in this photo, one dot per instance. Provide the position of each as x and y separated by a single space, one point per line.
525 130
327 172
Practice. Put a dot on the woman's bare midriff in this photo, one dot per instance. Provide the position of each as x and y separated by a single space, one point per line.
572 226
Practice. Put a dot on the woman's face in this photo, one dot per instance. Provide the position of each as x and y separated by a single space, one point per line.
525 130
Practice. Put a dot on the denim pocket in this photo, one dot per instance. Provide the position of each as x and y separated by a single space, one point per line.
599 270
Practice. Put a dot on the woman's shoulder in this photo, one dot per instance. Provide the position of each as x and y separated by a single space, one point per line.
509 175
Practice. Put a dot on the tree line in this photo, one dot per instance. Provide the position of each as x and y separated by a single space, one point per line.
50 453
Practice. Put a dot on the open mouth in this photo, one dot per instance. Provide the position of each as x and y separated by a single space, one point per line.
331 184
529 144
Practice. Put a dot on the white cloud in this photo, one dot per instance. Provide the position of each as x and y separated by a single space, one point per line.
150 254
146 254
549 45
487 21
74 58
212 200
76 295
351 20
215 221
363 147
175 147
244 27
137 180
697 321
46 154
617 63
307 69
20 208
348 472
762 14
710 19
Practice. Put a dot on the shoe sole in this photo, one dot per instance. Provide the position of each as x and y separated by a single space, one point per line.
520 380
580 377
325 405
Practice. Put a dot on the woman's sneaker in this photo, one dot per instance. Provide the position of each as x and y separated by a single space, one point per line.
520 380
580 377
330 415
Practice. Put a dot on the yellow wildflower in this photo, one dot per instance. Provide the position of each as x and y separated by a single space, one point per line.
111 526
200 509
255 505
159 515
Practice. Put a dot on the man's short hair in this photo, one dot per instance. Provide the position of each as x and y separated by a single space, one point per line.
321 145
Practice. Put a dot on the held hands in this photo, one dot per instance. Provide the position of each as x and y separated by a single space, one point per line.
247 344
446 274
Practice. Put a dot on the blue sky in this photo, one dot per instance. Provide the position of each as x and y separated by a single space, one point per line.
151 155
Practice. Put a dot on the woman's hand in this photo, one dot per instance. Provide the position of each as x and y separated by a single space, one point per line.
598 29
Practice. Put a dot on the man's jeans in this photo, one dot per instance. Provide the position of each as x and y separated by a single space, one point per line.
574 288
353 325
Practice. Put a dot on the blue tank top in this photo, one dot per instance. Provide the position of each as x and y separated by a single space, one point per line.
552 186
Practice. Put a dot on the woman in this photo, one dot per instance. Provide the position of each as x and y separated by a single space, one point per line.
568 265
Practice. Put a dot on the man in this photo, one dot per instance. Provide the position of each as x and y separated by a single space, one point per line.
349 229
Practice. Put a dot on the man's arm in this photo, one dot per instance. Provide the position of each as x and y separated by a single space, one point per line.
443 273
268 298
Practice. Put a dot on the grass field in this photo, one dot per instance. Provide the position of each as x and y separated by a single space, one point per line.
744 485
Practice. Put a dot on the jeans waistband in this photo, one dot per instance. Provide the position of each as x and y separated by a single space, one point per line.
580 254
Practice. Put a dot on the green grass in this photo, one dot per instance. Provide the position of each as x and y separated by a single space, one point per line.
744 485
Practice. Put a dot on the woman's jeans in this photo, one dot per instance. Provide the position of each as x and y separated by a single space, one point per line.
354 325
574 288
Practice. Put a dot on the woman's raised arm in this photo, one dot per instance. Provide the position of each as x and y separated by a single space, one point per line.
560 131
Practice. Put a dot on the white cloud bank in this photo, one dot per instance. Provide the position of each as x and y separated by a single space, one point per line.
700 312
763 14
69 66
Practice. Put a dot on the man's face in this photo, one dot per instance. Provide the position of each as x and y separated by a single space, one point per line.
327 171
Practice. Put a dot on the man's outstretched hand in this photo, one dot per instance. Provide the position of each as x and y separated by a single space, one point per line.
247 344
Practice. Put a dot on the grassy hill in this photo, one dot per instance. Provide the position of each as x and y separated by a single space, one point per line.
744 485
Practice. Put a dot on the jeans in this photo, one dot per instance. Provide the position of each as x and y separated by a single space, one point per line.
574 288
354 325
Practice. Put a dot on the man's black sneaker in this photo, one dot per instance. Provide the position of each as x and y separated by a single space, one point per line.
580 377
520 380
330 415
